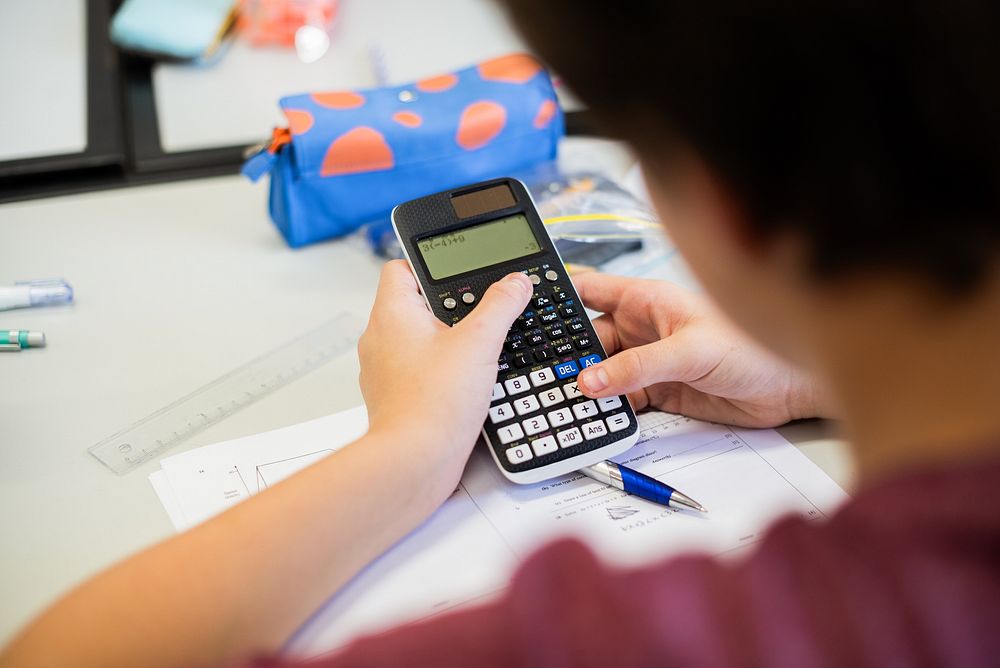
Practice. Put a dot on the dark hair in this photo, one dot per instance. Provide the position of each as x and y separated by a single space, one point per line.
872 128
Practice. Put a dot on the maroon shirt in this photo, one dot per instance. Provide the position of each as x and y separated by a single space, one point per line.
906 574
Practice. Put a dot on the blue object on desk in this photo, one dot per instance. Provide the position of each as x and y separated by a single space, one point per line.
348 157
182 29
639 484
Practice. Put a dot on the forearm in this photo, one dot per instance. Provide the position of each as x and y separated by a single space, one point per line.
243 581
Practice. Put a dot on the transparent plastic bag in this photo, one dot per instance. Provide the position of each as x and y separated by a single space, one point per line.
591 208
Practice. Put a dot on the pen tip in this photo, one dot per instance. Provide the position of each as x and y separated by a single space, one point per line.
687 502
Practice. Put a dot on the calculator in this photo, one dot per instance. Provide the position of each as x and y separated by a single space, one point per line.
459 242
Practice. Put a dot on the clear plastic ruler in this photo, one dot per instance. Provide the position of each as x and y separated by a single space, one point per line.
214 402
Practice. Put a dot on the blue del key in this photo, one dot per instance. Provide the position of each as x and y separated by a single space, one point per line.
567 369
589 360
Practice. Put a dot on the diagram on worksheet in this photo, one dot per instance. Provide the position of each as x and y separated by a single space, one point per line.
271 472
621 512
205 481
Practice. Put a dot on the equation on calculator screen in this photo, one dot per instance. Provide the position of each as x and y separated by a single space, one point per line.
478 246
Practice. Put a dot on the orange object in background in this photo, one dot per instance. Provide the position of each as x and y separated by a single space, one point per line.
275 22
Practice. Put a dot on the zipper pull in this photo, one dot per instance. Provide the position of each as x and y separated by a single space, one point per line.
260 158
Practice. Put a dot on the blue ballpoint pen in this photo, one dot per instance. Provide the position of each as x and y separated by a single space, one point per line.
640 484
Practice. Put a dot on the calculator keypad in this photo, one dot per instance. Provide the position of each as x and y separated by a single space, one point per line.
538 414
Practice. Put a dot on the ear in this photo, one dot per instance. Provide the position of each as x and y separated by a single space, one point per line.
729 215
687 191
779 247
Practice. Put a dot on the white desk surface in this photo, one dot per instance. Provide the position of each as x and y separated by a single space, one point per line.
176 284
235 100
43 76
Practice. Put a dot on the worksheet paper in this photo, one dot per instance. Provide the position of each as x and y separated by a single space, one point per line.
466 552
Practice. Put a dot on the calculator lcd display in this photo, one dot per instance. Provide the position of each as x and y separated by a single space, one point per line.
478 246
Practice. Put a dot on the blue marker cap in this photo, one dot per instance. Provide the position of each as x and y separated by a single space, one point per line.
24 294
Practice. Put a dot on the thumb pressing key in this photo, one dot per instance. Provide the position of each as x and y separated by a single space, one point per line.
488 323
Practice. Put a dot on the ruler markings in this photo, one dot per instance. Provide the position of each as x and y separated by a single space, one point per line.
210 404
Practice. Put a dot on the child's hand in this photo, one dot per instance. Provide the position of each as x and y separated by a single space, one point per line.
425 382
672 351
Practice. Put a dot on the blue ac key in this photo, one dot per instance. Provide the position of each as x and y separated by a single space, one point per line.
567 369
589 360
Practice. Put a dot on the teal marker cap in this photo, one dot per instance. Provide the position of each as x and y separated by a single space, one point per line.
22 338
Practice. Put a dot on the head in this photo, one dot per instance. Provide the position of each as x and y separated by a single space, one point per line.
800 154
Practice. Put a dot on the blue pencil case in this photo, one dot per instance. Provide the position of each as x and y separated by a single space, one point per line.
348 157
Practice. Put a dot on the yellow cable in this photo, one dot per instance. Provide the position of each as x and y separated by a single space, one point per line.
576 217
598 216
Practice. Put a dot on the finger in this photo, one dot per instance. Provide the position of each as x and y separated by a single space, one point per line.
635 368
639 400
607 333
683 399
397 282
603 292
501 304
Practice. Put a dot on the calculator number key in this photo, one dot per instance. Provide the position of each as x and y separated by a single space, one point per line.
501 413
551 397
535 425
498 392
519 453
510 433
526 405
541 377
517 385
560 417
